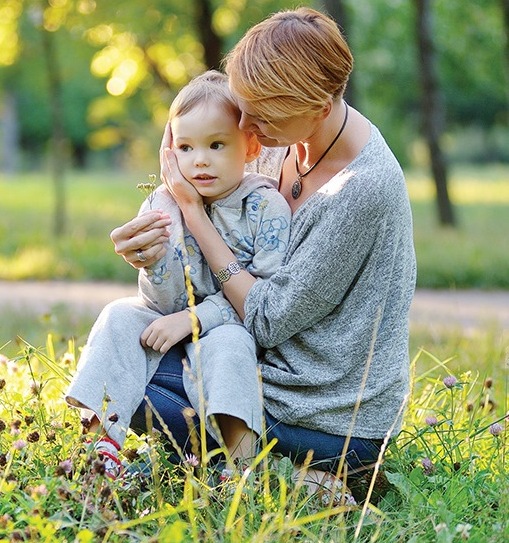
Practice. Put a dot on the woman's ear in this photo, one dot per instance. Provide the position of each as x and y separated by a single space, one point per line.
327 108
254 147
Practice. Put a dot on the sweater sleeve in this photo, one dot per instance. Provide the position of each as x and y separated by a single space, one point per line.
161 285
215 310
331 240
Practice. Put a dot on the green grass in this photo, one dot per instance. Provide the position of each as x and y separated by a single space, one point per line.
444 479
20 325
96 203
472 255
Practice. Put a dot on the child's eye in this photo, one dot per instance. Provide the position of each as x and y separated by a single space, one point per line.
216 145
185 148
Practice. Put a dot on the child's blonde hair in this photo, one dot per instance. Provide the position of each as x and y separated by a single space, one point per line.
211 86
290 64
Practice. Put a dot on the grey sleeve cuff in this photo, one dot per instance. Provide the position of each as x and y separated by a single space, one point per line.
209 315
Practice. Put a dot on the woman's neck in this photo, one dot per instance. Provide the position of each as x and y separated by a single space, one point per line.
312 148
354 137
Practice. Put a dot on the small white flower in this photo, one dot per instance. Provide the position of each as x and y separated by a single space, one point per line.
463 530
191 460
440 527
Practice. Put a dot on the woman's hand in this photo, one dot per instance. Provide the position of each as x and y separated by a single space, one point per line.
186 196
142 240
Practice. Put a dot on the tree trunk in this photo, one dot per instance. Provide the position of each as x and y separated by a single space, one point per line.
505 12
58 142
9 150
212 43
432 109
338 11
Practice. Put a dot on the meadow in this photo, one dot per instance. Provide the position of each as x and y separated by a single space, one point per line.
474 254
444 478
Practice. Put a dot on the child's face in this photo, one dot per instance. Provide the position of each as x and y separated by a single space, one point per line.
211 150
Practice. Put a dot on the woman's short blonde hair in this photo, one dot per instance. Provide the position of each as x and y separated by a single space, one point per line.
211 86
290 64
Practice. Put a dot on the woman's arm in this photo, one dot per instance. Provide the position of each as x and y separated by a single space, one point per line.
214 249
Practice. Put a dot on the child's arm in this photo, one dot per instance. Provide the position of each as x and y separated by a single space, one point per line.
162 285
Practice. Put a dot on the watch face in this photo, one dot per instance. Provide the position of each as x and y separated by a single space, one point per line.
234 268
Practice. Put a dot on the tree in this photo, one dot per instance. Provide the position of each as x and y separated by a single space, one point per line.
338 10
9 120
58 135
211 41
432 109
9 135
505 12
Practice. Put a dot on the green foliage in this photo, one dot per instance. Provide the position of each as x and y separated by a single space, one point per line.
122 64
468 34
445 475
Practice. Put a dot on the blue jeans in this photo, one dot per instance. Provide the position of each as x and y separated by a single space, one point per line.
166 393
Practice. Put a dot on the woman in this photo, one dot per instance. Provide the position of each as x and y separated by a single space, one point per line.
333 319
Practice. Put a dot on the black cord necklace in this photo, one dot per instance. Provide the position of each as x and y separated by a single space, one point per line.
297 185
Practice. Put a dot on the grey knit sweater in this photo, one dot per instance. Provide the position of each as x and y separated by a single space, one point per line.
334 318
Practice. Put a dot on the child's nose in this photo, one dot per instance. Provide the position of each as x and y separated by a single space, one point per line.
201 159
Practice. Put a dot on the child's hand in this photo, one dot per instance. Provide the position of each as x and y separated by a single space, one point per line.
166 331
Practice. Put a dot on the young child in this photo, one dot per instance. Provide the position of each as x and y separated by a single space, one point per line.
130 335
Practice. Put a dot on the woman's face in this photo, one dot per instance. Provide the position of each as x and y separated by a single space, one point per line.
276 134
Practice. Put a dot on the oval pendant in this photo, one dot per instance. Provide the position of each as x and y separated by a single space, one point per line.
296 189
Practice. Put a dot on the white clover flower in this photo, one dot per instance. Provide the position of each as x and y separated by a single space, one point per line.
463 530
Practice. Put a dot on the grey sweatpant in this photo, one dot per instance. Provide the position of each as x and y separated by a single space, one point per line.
114 370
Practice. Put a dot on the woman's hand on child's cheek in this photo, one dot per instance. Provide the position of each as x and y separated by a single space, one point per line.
142 240
184 193
166 142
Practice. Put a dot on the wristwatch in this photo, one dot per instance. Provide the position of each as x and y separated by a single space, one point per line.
233 268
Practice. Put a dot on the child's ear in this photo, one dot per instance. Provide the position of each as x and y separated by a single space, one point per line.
254 147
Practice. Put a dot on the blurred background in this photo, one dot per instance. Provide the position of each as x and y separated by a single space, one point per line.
85 87
100 75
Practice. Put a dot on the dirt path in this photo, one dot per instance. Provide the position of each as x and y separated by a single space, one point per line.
437 309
